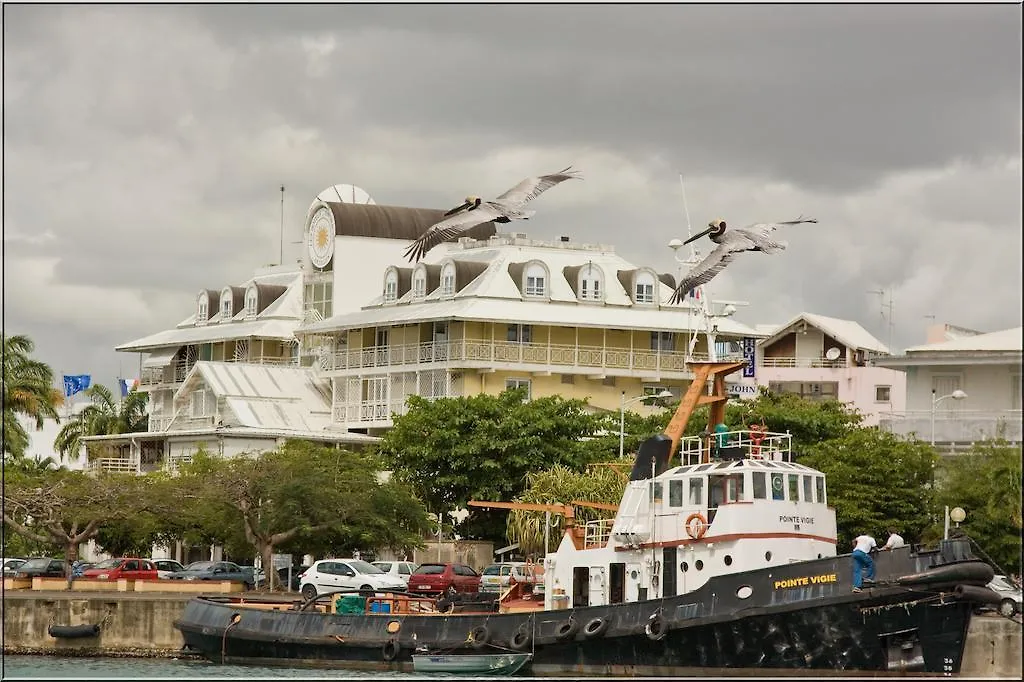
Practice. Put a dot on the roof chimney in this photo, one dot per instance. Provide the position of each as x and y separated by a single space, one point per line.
563 239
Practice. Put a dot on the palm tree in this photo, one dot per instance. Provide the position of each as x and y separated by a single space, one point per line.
27 391
103 416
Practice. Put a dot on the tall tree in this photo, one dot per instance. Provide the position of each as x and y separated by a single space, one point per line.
301 489
27 391
452 450
103 416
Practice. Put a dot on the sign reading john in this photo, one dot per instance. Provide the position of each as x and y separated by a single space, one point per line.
748 355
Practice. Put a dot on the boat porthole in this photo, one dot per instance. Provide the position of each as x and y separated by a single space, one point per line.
699 565
394 626
767 556
685 566
728 560
744 591
633 575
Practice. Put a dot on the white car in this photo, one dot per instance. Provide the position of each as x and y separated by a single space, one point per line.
330 575
164 567
397 569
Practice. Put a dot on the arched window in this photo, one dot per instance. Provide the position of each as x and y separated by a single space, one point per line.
391 286
644 287
251 301
448 279
227 300
203 313
535 279
591 283
419 282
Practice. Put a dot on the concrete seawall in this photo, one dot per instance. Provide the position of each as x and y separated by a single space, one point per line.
142 625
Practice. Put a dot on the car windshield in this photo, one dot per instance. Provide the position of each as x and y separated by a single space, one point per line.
36 563
109 563
492 569
364 567
199 566
1001 583
429 569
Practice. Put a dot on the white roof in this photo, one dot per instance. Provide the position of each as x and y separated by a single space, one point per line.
267 329
323 435
1006 340
264 396
847 332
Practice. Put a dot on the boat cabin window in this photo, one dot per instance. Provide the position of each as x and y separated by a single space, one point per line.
702 467
725 489
760 487
655 491
778 487
794 488
675 492
697 491
819 484
807 488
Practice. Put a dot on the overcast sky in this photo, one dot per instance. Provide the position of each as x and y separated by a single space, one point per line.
144 148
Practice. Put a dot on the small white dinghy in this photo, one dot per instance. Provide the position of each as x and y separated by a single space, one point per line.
470 664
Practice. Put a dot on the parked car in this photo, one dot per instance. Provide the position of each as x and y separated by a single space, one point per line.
131 568
164 567
397 569
41 567
11 566
328 575
496 577
1010 603
447 577
216 570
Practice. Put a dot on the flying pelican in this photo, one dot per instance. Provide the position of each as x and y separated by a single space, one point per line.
756 237
473 212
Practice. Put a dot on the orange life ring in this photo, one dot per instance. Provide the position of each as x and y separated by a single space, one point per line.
701 525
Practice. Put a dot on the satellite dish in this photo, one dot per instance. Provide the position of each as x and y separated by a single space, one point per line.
832 354
346 194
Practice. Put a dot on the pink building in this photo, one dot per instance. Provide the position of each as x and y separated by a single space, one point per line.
823 358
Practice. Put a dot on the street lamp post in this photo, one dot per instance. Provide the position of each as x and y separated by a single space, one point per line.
622 414
955 395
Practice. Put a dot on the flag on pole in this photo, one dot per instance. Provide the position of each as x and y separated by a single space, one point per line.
128 385
76 383
695 293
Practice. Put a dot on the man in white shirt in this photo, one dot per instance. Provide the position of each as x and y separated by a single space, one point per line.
895 540
862 545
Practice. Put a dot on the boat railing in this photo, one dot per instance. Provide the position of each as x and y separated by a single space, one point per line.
597 533
738 444
398 604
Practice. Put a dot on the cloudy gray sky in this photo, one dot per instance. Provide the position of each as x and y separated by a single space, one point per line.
144 147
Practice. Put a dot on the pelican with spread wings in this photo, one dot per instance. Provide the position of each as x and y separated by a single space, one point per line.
757 237
506 208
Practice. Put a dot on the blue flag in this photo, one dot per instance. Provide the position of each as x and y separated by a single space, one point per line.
76 383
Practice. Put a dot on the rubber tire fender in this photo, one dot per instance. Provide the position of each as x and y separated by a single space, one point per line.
479 636
73 631
656 628
567 629
521 638
596 627
390 650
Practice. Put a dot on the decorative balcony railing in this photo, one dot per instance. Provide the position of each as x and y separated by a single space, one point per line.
497 352
962 426
115 465
803 362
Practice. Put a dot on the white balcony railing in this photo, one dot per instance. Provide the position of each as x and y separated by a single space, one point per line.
963 426
118 465
486 352
803 362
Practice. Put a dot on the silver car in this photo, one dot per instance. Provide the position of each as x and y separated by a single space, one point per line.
397 569
1010 594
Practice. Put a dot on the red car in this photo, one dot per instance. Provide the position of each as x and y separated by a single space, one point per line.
130 568
440 578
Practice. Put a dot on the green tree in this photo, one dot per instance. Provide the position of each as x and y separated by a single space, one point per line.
297 493
452 450
103 416
561 485
875 480
986 483
27 391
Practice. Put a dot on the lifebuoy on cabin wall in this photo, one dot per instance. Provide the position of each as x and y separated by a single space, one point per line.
696 525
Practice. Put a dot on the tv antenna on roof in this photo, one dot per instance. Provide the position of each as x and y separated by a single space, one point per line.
886 306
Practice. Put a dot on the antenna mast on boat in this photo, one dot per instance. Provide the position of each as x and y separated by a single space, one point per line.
703 304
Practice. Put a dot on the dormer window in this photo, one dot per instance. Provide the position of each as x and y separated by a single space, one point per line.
448 280
644 288
535 280
203 313
419 283
391 286
226 299
251 302
590 284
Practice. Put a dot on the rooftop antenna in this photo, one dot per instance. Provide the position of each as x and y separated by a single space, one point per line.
281 259
884 307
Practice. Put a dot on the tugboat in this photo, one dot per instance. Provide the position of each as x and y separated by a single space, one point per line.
723 564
